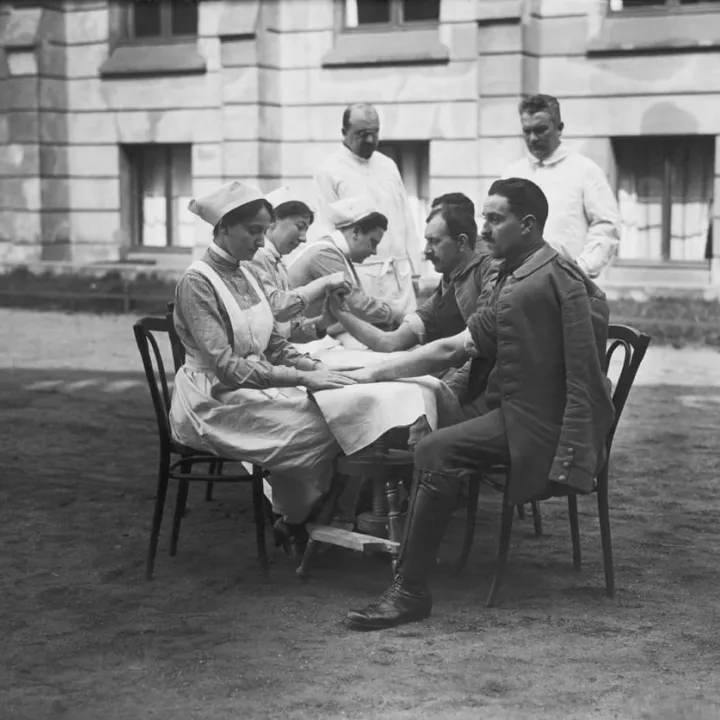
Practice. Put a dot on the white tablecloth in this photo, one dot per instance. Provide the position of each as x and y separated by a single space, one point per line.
359 414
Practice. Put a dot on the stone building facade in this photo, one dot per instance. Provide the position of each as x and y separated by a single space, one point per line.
113 114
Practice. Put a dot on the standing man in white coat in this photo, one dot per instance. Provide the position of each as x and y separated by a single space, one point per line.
357 169
584 222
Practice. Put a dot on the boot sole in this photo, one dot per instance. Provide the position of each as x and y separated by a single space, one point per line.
367 627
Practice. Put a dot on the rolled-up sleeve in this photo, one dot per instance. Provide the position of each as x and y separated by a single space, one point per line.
285 304
329 260
481 334
603 218
198 315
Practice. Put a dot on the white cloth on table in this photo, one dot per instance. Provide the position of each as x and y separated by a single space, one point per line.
360 414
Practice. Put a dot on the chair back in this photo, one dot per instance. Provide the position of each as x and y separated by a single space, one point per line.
178 349
146 330
634 345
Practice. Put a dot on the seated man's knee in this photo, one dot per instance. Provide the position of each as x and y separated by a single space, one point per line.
429 452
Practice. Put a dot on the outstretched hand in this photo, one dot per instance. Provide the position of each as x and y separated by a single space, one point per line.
363 375
315 380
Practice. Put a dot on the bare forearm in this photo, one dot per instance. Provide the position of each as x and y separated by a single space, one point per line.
369 335
426 360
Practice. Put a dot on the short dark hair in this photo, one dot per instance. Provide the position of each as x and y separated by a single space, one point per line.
243 214
373 221
459 216
453 198
293 208
524 198
541 103
347 113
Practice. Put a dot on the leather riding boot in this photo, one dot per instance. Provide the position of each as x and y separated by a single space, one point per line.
408 598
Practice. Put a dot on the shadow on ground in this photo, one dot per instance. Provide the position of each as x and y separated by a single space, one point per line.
85 637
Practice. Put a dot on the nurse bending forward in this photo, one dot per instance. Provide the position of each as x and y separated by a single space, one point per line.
242 392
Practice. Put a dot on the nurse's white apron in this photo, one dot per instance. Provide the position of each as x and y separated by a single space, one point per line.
279 428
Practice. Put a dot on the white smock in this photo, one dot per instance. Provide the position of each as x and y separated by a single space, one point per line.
281 429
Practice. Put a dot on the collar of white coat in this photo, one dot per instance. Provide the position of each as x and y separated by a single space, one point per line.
356 158
561 152
341 243
224 254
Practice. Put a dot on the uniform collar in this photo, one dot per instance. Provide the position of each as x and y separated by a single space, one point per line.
223 256
341 243
360 160
534 261
272 251
561 152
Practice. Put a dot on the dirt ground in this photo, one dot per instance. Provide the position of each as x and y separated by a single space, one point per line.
84 637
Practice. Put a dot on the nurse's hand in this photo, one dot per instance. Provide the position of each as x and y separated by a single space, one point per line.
335 303
324 380
337 281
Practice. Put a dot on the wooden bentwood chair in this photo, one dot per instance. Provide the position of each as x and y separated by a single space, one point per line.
181 468
634 345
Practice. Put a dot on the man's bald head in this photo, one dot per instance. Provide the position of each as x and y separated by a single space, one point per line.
361 128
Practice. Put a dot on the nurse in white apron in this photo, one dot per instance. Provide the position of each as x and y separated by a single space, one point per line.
242 392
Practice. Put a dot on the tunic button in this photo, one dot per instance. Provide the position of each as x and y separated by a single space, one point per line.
571 450
566 464
561 478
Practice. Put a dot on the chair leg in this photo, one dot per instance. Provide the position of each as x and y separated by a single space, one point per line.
537 519
506 522
604 514
471 517
258 497
180 503
521 512
575 531
215 469
160 497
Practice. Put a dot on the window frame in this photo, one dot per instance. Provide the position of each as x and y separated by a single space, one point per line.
136 157
669 7
166 37
395 24
666 211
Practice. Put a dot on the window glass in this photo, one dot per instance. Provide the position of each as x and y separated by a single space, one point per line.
665 196
421 10
184 17
147 19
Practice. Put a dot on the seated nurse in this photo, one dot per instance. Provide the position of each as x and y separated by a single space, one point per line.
287 232
242 392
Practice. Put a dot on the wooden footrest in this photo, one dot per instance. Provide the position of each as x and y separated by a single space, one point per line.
351 540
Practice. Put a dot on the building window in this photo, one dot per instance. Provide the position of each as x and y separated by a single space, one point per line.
665 195
160 190
616 5
152 19
391 13
413 161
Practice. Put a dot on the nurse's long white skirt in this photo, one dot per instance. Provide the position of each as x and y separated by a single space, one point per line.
281 429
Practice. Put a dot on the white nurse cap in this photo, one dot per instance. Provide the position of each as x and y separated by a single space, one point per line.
212 207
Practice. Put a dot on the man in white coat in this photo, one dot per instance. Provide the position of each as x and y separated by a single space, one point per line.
357 169
584 222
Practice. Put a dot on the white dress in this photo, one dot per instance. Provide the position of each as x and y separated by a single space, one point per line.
281 429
